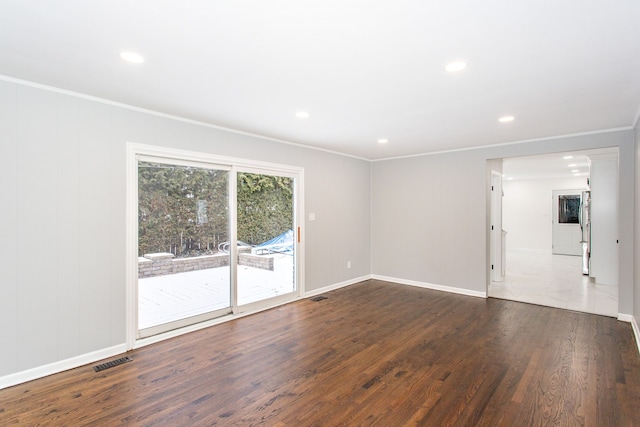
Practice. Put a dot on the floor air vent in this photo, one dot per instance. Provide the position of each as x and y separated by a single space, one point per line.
318 298
111 364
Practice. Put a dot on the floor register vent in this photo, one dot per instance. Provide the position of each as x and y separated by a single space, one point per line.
111 364
318 298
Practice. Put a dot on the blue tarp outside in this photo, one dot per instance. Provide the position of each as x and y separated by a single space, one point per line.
282 244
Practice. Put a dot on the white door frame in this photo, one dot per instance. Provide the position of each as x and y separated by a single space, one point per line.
270 302
131 251
495 225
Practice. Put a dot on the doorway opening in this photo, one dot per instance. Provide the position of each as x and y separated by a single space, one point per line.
544 245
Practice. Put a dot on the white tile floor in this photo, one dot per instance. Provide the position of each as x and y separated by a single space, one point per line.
555 281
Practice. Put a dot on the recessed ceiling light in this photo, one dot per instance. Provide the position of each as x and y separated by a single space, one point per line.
302 115
505 119
383 141
575 170
568 157
510 178
454 67
132 57
573 165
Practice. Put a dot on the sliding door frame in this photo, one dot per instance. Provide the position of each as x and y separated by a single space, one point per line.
272 301
136 151
189 320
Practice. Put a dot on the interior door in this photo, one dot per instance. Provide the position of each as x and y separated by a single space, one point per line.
567 234
267 236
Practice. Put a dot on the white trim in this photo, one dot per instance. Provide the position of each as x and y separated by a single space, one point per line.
636 332
143 342
232 219
502 144
131 247
299 226
433 286
165 115
60 366
335 286
625 317
136 151
208 158
495 227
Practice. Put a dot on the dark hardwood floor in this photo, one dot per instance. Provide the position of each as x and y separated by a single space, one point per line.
374 353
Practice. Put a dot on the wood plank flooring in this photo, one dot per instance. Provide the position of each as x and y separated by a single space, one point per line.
374 353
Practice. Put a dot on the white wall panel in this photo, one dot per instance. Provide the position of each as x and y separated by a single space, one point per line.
626 216
423 215
95 188
37 202
604 219
9 256
69 214
118 130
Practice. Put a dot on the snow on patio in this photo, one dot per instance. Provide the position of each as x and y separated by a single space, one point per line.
163 299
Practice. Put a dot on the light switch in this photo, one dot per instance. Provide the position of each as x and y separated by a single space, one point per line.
312 216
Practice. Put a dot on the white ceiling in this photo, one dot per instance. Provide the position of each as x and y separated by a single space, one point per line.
363 69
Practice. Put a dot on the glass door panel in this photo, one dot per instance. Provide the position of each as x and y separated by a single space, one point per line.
183 229
266 236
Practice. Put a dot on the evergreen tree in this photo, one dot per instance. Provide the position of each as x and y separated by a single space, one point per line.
184 210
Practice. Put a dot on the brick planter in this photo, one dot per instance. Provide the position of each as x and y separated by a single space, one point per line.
162 263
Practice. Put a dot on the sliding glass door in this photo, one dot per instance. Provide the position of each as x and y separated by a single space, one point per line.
266 237
183 222
212 239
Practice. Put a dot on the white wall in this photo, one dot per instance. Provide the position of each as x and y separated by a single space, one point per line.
604 224
429 212
527 210
63 216
636 288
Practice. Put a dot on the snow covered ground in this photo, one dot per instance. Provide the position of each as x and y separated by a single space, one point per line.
163 299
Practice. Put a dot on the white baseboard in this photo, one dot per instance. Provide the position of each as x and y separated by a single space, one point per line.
625 317
335 286
426 285
636 332
62 365
634 326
